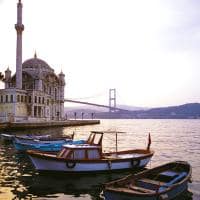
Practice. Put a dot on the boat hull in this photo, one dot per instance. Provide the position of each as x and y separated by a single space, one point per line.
110 195
47 146
38 141
41 147
42 164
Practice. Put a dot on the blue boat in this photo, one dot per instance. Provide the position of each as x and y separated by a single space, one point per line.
164 182
43 144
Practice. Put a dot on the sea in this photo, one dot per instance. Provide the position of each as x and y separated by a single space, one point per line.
171 140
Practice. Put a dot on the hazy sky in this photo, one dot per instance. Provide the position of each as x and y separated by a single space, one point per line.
147 50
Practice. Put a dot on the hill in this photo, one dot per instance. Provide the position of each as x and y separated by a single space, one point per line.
190 110
186 111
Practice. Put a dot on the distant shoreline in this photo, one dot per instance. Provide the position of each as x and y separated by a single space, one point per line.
186 111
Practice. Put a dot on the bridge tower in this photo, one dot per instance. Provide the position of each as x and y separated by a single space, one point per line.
112 100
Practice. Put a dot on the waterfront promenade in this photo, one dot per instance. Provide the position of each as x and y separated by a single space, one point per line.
24 125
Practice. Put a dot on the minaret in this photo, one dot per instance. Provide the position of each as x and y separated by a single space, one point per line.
7 77
19 28
62 94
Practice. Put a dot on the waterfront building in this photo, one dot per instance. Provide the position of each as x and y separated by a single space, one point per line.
34 92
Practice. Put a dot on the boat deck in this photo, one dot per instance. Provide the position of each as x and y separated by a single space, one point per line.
122 156
148 185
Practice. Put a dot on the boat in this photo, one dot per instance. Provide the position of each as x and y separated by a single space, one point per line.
7 137
54 144
33 138
164 182
89 157
10 137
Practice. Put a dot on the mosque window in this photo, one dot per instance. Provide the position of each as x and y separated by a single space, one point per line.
25 99
18 98
39 100
6 98
29 99
11 98
35 111
35 99
22 98
43 100
55 93
1 98
47 102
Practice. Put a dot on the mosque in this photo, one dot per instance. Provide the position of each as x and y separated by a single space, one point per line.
34 93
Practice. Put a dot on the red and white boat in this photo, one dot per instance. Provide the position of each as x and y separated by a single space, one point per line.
90 158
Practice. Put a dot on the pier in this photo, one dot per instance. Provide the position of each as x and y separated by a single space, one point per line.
25 125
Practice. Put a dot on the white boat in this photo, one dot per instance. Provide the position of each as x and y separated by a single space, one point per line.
90 158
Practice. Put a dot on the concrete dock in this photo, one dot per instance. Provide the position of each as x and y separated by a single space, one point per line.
34 125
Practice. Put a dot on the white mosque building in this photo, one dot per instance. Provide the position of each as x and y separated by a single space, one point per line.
35 92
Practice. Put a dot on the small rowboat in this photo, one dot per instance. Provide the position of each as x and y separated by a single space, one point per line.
90 158
164 182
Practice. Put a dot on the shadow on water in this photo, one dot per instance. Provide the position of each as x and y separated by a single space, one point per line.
45 185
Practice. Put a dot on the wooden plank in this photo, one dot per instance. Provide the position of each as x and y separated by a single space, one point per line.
140 189
151 181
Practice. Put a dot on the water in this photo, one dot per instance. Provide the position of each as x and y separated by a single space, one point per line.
171 140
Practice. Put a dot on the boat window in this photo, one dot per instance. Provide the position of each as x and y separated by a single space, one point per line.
93 154
79 154
97 139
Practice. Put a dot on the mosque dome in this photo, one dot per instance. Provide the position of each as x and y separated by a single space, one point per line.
36 64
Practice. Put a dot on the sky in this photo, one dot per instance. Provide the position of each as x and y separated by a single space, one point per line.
147 50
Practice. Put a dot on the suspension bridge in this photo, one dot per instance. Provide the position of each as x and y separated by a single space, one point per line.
112 102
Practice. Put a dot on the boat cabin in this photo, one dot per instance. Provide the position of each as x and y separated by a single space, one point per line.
91 150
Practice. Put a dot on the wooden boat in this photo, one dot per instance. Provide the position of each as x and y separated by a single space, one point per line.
164 182
90 158
43 143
